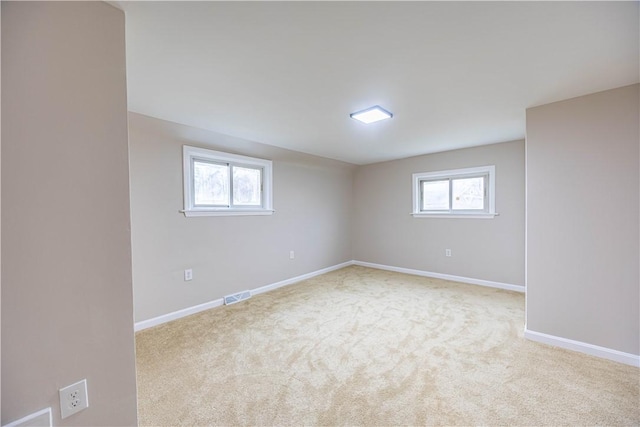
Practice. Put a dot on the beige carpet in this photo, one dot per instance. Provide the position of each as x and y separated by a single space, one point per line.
367 347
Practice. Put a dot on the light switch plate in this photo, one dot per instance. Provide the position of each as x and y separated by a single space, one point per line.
41 418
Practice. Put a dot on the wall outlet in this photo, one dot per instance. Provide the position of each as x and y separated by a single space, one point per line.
292 254
447 252
188 275
73 398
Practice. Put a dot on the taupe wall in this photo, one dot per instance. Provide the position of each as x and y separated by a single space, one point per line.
487 249
312 198
0 209
583 219
67 311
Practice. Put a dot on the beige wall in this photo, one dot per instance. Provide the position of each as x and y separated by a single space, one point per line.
312 198
486 249
0 209
66 265
583 219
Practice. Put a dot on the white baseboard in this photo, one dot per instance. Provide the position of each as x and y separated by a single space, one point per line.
296 279
155 321
144 324
590 349
469 280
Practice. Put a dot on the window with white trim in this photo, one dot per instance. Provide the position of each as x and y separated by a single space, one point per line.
217 183
462 193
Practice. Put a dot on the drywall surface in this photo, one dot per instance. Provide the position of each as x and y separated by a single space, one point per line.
583 219
67 310
486 249
0 207
312 198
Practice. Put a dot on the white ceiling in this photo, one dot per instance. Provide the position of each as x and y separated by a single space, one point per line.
455 74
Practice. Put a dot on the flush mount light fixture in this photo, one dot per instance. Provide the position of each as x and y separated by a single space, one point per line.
372 114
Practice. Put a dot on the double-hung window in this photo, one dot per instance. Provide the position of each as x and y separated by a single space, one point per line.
462 193
217 183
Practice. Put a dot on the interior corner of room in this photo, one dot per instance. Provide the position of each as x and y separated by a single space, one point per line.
96 246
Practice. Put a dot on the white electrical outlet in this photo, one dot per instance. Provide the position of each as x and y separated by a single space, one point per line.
292 254
73 398
447 252
188 275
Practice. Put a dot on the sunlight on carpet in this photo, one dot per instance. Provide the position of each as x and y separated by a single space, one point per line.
360 346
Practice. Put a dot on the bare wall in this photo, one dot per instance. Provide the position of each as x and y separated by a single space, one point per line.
486 249
0 207
312 199
67 305
583 219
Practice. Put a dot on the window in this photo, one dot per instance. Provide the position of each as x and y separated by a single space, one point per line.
217 183
462 193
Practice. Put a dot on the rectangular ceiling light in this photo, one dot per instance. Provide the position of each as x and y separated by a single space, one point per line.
371 115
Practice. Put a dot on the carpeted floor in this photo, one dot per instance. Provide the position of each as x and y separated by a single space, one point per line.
360 346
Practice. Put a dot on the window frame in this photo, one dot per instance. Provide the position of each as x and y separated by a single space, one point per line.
489 210
193 154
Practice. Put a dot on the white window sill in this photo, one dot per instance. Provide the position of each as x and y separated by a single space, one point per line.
228 212
455 215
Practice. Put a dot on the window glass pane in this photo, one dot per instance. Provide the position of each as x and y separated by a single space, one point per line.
247 183
435 195
468 193
210 184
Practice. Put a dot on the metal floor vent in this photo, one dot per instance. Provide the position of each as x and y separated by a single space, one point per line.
232 299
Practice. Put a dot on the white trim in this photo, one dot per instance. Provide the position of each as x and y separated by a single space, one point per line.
490 171
296 279
582 347
190 210
227 212
488 283
23 420
144 324
456 215
149 323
